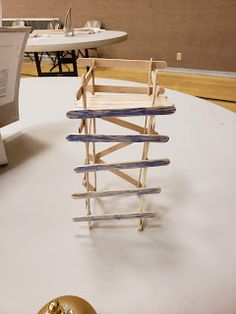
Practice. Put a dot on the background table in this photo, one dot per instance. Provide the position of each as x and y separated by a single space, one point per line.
184 260
55 40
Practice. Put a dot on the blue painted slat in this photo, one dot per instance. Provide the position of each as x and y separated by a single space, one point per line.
89 113
123 165
114 216
138 191
117 138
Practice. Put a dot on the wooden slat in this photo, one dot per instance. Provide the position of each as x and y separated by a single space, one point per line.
79 93
100 138
103 101
111 149
120 63
127 112
139 191
82 126
114 216
123 165
118 173
127 125
89 186
87 77
124 176
122 89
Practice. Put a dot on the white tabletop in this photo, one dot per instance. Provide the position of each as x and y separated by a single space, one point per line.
183 262
59 42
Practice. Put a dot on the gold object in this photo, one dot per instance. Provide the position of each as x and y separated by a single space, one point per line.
67 304
54 307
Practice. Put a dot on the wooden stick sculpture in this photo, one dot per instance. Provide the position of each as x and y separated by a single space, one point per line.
132 101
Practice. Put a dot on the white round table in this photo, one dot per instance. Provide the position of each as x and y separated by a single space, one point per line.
49 41
183 261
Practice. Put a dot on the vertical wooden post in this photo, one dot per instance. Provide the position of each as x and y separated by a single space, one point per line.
94 124
93 78
87 160
143 171
149 77
94 154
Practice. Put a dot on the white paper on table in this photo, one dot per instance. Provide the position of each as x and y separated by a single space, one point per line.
3 82
10 50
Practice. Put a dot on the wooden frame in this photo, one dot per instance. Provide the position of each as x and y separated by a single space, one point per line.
148 102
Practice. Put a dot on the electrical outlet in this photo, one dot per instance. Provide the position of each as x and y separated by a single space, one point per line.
179 56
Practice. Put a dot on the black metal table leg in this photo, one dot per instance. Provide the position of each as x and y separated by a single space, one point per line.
86 56
60 60
74 62
38 63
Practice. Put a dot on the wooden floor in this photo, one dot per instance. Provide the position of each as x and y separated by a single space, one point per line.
217 89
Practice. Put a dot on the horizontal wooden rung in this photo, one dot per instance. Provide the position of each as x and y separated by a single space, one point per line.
114 216
127 112
117 138
139 191
122 89
121 63
123 165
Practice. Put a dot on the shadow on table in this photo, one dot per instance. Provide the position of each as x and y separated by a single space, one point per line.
32 141
20 148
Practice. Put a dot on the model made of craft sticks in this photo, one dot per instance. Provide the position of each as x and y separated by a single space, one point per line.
147 101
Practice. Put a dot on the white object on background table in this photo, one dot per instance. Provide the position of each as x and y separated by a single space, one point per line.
57 41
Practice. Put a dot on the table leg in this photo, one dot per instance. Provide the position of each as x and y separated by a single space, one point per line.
60 60
86 56
74 62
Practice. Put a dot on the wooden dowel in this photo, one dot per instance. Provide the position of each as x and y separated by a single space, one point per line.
139 191
114 216
123 165
117 138
127 112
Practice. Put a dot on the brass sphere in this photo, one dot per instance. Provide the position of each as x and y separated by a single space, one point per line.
76 304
